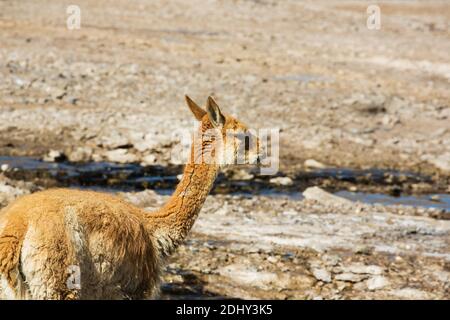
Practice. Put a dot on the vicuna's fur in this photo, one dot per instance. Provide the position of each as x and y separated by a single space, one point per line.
71 244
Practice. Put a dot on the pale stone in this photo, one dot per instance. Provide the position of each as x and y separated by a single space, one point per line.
282 181
350 277
377 282
54 156
313 164
320 195
363 269
148 160
120 156
322 274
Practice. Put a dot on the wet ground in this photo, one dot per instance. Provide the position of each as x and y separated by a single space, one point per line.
391 185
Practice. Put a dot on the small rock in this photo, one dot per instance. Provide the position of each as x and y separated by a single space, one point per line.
320 195
441 162
377 282
72 100
282 181
10 192
272 259
389 120
80 154
313 164
149 142
350 277
331 260
322 274
97 157
4 167
360 286
135 136
148 160
145 145
120 156
115 141
54 156
435 198
363 269
57 93
366 250
289 213
410 293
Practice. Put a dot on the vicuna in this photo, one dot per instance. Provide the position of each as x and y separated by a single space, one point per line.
116 248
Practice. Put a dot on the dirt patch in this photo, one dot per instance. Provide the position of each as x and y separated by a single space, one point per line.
291 66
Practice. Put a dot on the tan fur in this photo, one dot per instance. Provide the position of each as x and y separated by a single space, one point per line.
117 247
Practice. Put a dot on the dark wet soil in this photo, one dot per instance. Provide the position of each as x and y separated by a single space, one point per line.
369 186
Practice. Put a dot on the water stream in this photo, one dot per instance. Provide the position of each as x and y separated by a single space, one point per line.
163 179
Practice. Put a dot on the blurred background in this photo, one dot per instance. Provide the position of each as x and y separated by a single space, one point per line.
363 113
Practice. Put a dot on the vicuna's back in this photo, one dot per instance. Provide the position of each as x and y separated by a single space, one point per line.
97 235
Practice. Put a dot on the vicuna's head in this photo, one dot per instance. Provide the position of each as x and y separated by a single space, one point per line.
222 139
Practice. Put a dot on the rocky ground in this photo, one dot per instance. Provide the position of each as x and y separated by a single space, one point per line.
312 249
341 95
322 247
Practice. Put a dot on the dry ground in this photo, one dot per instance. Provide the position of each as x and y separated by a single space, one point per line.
340 93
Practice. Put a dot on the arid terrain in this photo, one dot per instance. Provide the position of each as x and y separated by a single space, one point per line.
373 102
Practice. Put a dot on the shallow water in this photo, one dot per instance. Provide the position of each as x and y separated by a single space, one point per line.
437 201
129 177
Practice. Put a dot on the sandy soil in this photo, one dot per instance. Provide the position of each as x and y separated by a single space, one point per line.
340 93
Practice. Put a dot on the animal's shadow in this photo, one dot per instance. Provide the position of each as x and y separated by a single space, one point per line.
191 288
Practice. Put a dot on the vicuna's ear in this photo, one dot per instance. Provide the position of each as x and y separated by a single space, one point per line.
196 110
215 116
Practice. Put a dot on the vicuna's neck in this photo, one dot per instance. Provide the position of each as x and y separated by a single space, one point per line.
170 225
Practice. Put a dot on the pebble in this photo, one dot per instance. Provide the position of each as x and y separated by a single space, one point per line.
350 277
114 141
80 154
313 164
146 145
363 250
54 156
120 156
435 198
441 162
377 282
320 195
322 274
282 181
363 269
272 259
148 160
